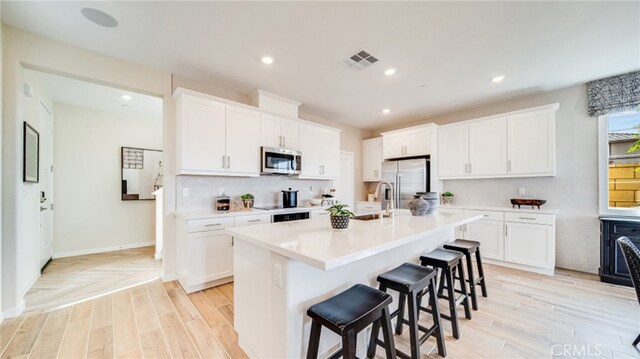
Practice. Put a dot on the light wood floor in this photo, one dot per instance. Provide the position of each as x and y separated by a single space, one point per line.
73 279
524 317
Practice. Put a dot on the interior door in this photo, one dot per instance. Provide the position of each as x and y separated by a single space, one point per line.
412 178
46 185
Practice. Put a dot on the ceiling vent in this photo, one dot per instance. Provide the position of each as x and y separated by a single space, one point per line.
361 60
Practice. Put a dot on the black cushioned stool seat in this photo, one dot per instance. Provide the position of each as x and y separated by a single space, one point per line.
468 248
449 262
348 313
410 281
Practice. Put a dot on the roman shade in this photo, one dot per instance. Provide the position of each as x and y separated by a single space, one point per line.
614 94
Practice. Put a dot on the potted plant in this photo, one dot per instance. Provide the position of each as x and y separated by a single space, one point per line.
447 198
339 216
247 200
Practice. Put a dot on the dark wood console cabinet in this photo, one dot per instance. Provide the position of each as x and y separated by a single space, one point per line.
613 268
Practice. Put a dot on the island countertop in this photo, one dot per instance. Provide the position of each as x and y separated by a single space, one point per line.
315 243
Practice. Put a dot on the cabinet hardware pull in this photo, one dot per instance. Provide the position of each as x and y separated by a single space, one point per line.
506 230
253 220
280 141
529 218
485 215
284 141
213 224
469 168
228 162
224 161
509 163
233 241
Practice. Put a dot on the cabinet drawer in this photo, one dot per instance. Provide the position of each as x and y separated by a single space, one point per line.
486 215
368 207
548 219
252 220
209 224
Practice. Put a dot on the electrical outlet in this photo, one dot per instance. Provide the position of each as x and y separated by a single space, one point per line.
220 191
522 191
185 192
277 275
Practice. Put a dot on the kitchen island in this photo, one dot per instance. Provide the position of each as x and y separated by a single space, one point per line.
281 269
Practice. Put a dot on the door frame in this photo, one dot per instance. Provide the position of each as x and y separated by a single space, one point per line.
46 172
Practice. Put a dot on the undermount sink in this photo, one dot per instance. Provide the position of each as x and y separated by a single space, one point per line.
369 217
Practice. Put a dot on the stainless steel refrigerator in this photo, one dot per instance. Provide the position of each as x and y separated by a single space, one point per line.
407 177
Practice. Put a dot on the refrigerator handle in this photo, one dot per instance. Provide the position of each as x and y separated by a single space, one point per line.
398 191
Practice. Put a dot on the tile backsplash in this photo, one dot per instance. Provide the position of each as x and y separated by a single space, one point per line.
266 189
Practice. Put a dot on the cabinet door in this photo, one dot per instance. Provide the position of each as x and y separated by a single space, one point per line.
290 134
417 142
488 147
392 146
453 151
210 256
331 153
372 159
243 141
270 131
529 244
491 235
531 142
202 135
311 148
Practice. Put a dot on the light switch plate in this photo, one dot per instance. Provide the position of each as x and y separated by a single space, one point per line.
277 275
522 191
185 192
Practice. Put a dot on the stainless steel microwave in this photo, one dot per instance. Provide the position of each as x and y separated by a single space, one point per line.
280 161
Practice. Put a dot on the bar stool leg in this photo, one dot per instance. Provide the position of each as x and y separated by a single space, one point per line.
472 285
314 340
452 303
401 303
349 345
483 284
413 326
435 313
387 334
375 330
463 289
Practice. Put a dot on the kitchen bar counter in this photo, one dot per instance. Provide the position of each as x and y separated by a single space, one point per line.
281 269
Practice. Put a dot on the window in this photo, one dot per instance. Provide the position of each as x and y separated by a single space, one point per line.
620 163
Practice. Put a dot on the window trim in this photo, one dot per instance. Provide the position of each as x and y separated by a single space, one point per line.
603 173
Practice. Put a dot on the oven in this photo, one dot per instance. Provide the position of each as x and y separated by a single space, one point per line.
280 161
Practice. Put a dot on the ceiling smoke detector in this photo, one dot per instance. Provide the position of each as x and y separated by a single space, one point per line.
361 60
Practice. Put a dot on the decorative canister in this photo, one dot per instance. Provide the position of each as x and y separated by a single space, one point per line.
432 198
418 205
223 203
340 222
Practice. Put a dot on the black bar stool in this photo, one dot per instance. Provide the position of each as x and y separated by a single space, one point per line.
348 313
468 248
449 262
410 280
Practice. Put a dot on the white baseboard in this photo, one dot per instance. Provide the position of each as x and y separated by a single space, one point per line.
14 312
158 255
103 249
169 277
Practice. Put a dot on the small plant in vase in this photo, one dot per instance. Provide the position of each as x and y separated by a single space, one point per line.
447 198
339 216
247 200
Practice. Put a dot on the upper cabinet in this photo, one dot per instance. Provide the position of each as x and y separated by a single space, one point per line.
216 139
408 142
280 132
517 144
320 147
372 159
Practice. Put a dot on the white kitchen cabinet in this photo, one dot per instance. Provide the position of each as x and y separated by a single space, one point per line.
200 136
530 244
372 159
491 236
279 132
453 151
408 142
320 147
319 213
368 207
252 220
531 140
488 147
242 141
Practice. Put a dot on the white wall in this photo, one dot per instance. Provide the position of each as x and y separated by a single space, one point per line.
89 215
1 120
20 202
574 191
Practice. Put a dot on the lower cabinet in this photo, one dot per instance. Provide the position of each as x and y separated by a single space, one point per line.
613 267
530 244
368 207
491 235
210 257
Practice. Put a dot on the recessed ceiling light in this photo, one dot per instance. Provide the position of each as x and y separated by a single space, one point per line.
126 97
267 60
99 17
390 71
386 111
497 79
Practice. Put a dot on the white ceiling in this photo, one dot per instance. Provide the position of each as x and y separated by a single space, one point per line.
85 94
455 48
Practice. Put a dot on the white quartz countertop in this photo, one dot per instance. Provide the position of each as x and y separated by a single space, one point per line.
502 209
315 243
242 212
